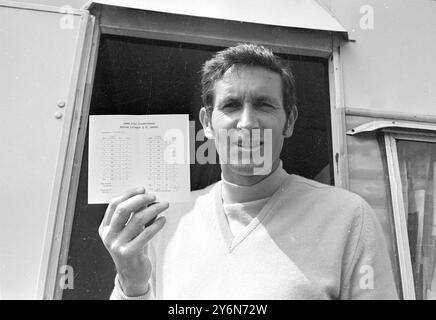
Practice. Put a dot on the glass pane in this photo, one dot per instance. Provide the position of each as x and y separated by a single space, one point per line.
368 177
417 161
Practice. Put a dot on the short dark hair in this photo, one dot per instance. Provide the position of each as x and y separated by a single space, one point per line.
246 54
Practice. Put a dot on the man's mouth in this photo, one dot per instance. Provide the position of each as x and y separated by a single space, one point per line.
253 145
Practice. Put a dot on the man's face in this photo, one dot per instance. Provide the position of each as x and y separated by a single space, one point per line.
249 100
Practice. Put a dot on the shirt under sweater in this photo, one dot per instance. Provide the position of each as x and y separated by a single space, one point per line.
309 241
242 203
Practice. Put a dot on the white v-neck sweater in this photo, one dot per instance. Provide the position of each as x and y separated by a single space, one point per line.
310 241
242 203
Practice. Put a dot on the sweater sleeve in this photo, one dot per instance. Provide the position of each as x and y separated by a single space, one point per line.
118 294
369 275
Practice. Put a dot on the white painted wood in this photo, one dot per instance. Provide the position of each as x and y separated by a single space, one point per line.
337 113
400 222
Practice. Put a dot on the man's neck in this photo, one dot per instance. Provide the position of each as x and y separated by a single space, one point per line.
236 193
231 175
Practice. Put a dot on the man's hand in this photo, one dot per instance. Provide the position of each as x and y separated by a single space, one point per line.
126 241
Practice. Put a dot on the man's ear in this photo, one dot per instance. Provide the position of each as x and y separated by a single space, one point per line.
206 123
290 122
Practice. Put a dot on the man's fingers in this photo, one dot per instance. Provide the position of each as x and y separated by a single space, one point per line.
116 201
124 209
142 239
141 219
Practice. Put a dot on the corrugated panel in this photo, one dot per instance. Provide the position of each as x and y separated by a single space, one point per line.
308 14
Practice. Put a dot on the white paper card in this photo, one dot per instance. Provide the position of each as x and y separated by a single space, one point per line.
128 151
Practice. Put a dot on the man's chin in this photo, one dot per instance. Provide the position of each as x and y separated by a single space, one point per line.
249 169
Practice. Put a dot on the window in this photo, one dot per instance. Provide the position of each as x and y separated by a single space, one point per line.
412 159
392 165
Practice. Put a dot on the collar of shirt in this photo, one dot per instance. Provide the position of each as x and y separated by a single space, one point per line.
233 193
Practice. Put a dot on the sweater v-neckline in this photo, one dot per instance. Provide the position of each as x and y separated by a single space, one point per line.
230 241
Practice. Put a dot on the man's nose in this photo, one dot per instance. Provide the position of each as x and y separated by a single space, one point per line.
248 118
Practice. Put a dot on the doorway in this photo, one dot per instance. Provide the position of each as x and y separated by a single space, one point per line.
142 76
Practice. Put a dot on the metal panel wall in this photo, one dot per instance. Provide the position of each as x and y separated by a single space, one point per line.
37 54
390 65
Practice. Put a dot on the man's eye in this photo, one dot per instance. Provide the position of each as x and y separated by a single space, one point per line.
230 106
267 106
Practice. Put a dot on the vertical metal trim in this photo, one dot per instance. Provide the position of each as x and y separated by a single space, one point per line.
337 114
56 215
400 222
89 70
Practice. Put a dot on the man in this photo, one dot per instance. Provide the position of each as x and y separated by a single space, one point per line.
259 233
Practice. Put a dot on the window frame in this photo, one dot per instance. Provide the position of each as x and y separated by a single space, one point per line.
391 137
146 24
